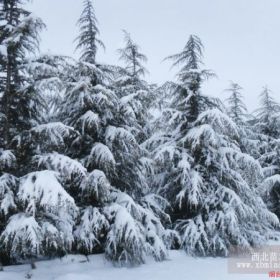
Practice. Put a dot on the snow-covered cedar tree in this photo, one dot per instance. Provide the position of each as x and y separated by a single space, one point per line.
88 41
267 126
19 105
133 58
186 102
268 114
236 109
106 149
210 183
136 95
190 79
20 111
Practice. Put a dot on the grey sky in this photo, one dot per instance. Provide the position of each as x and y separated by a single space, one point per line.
241 37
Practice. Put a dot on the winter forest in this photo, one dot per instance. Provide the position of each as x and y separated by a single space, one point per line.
94 159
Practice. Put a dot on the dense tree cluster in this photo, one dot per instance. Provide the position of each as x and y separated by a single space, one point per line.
86 166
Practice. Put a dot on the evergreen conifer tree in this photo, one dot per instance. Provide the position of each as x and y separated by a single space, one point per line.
236 107
237 111
113 214
267 126
136 95
36 212
87 41
210 182
19 35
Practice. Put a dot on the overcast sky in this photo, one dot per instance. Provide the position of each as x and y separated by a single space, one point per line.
241 37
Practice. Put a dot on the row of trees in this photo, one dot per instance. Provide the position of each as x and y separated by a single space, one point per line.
87 167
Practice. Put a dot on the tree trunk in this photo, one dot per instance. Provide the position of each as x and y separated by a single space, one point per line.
7 104
32 263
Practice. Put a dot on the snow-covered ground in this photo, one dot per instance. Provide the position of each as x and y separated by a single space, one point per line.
77 268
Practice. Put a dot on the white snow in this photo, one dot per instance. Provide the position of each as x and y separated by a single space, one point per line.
90 229
7 158
201 133
101 154
96 182
178 266
3 50
218 120
90 119
45 189
120 133
54 132
62 164
128 98
22 234
269 183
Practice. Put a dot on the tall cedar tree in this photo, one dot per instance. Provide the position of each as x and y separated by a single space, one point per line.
203 172
19 105
37 214
116 212
136 95
267 126
236 108
87 41
237 111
